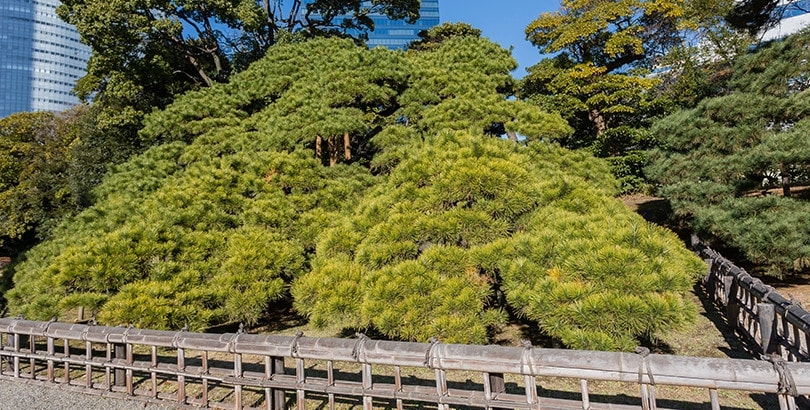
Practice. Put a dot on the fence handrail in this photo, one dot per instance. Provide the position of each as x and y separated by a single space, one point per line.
754 310
530 362
596 365
777 327
794 313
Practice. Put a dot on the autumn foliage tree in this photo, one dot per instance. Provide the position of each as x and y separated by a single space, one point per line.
375 190
598 74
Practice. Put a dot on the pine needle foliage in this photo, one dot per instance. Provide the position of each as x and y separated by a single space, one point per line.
462 214
376 190
729 164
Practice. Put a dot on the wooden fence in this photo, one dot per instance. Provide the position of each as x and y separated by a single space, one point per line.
240 370
757 313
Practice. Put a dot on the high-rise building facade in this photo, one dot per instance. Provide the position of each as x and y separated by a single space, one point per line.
397 34
792 15
41 58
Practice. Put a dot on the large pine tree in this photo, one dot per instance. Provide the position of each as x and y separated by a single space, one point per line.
732 164
378 190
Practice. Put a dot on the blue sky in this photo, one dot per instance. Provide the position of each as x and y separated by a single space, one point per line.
503 22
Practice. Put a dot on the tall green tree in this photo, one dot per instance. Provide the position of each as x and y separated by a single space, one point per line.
208 225
430 223
34 191
48 165
720 162
756 16
467 228
145 54
598 75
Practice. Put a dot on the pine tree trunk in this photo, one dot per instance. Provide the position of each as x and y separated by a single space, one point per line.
347 147
319 148
785 180
333 151
598 121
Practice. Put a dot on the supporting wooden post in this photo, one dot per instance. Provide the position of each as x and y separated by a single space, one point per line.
67 363
493 385
347 146
204 358
16 346
153 375
88 369
238 373
367 385
441 388
496 383
107 378
398 385
531 389
732 304
586 397
181 380
32 362
129 372
648 397
300 378
277 367
51 352
119 379
767 326
330 381
715 399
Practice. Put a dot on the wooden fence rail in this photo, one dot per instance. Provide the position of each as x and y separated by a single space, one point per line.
755 311
240 370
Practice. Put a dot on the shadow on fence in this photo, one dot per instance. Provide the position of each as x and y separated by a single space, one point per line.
767 323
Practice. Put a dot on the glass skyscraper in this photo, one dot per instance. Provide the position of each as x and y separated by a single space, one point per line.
396 34
41 58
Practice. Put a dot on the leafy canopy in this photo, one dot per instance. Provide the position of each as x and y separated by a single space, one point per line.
466 228
720 162
597 77
146 53
47 164
375 189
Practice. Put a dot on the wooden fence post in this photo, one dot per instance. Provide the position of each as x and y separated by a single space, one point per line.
493 385
767 324
277 395
732 303
16 346
120 353
7 361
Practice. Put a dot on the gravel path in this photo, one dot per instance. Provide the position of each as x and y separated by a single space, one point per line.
24 395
